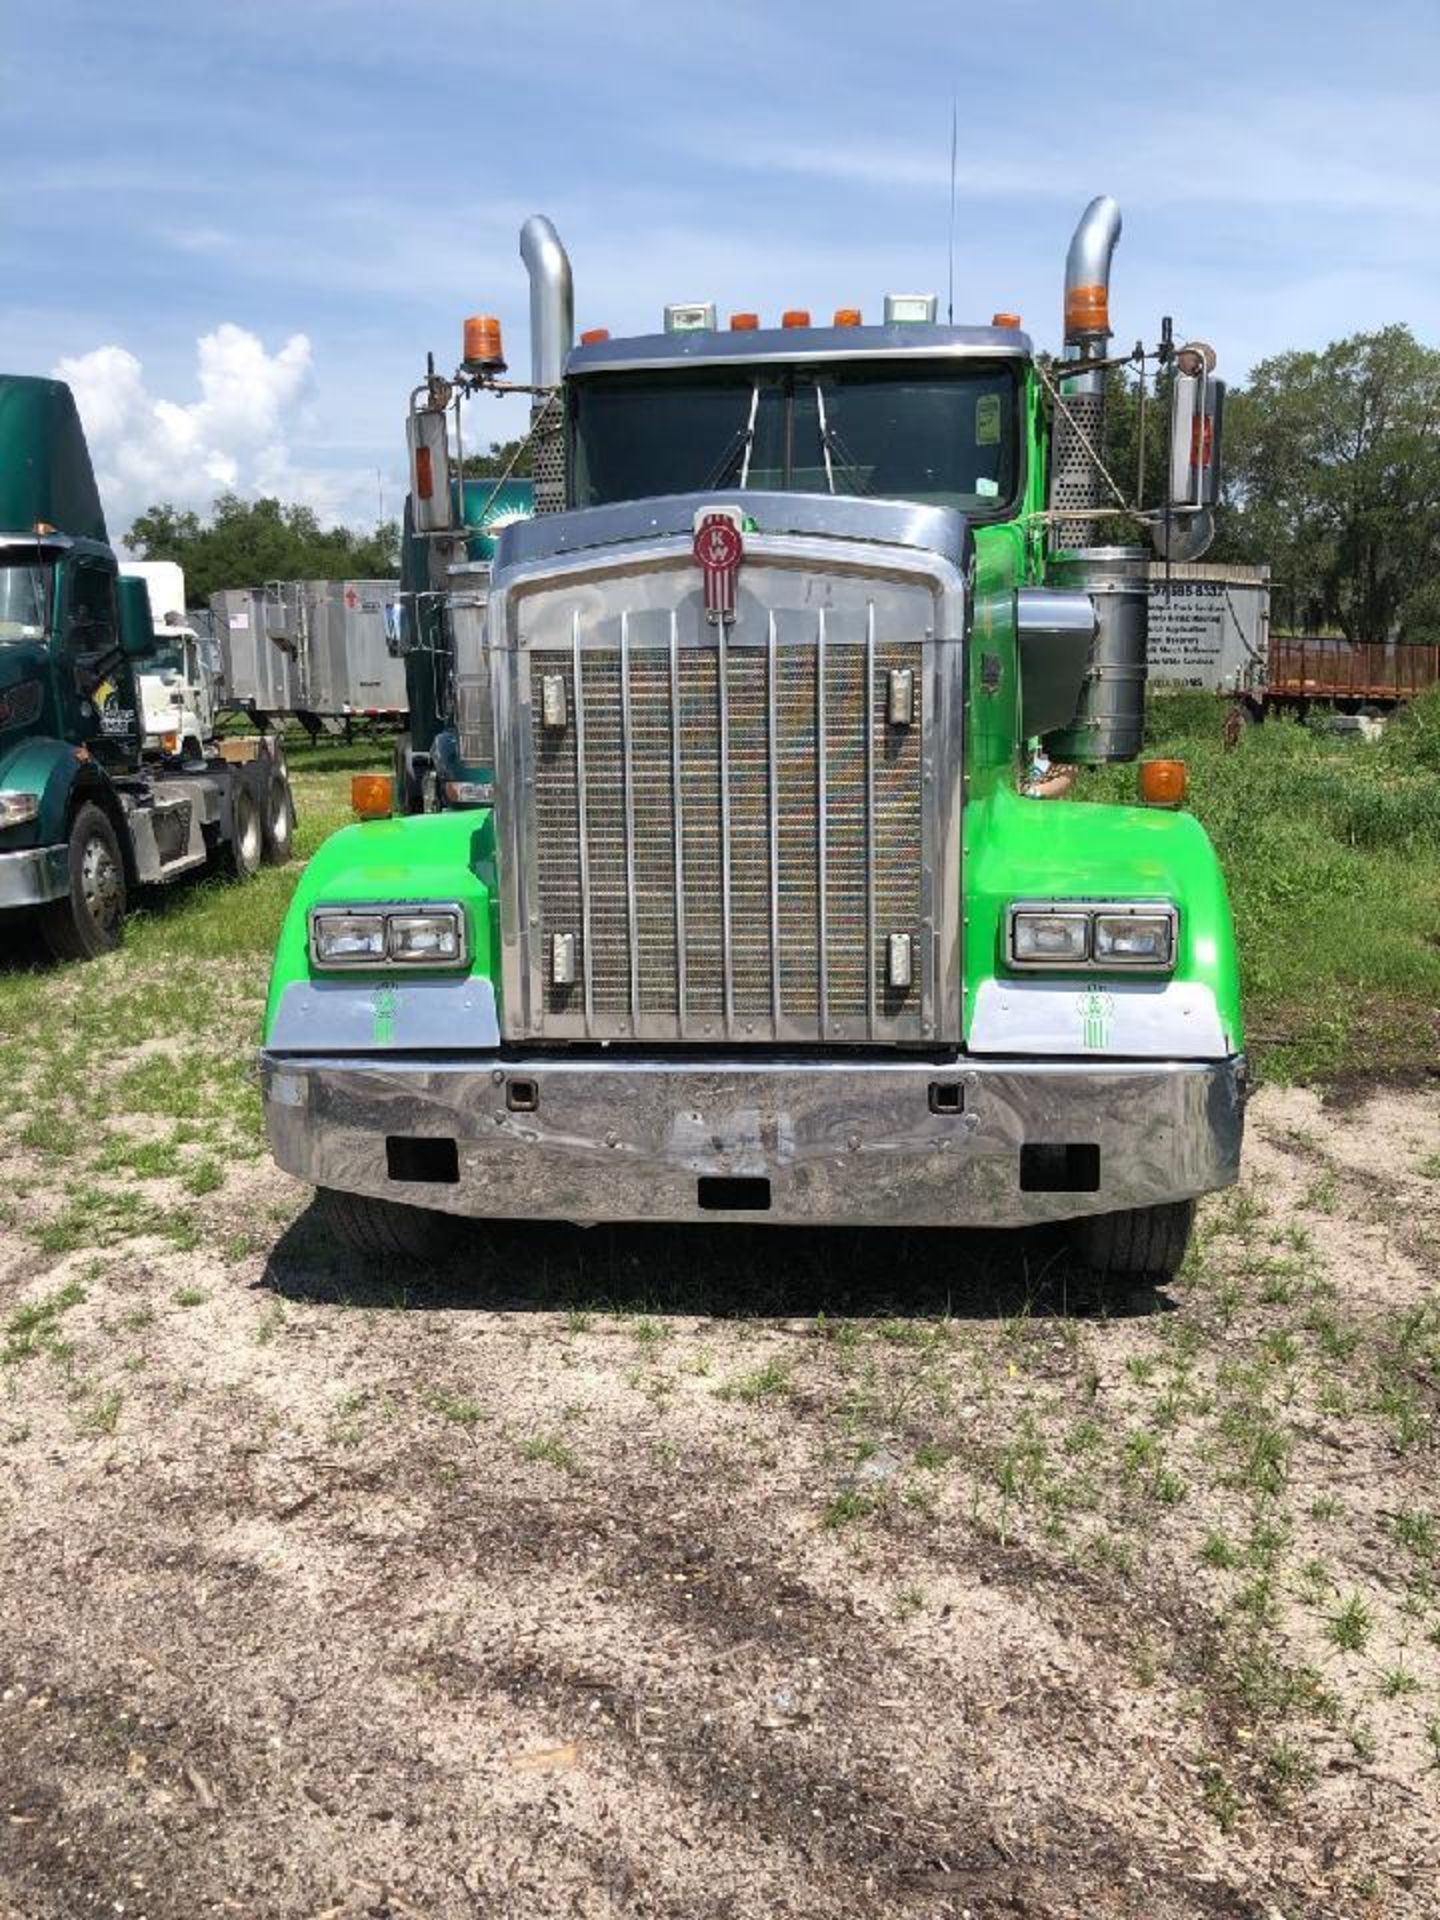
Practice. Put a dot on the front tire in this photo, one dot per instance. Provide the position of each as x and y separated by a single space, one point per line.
90 919
1143 1243
384 1229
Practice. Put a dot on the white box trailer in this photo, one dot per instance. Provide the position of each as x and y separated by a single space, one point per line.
314 648
1209 627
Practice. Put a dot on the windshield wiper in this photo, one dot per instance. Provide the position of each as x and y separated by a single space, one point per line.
740 442
834 448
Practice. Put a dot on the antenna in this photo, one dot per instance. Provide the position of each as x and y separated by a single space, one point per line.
954 147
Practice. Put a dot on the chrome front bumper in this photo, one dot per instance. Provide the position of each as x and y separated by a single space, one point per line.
33 876
791 1141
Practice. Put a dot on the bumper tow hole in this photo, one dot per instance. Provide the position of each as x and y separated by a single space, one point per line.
734 1193
947 1096
522 1096
1070 1167
411 1158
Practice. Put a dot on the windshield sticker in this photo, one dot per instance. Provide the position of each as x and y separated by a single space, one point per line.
987 420
986 488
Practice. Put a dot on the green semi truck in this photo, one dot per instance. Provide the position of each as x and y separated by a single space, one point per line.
741 907
85 820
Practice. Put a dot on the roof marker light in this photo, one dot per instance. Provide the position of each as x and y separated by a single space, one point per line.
593 336
911 309
1010 321
848 317
795 317
744 322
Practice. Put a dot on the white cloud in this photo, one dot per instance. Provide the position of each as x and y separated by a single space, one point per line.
236 436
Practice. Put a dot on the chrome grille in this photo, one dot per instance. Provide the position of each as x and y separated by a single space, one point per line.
732 829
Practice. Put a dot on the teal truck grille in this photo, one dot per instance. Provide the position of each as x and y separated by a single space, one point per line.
727 840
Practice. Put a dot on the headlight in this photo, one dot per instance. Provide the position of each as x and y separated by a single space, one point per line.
1117 936
416 938
1137 938
347 939
1040 939
407 935
17 808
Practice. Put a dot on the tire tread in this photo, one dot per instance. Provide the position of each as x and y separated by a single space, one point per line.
386 1229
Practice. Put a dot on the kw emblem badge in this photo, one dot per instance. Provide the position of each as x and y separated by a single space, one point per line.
719 549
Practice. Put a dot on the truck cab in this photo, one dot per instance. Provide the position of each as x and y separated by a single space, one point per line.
84 820
749 915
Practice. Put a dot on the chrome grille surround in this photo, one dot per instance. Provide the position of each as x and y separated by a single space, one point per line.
808 828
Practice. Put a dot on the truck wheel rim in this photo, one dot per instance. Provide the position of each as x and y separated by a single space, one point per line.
250 834
100 883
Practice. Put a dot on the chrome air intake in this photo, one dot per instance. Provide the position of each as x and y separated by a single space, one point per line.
552 333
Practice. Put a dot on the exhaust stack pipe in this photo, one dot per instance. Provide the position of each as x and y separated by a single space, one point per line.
1075 480
1109 721
552 333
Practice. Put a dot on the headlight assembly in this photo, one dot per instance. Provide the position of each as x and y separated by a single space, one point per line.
16 807
1107 936
411 934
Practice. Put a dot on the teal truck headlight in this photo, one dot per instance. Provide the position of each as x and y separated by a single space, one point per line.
17 808
1120 936
408 935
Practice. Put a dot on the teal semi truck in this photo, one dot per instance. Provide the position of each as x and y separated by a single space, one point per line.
428 775
745 906
85 820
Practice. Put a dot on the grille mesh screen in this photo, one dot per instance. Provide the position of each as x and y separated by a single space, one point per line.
655 886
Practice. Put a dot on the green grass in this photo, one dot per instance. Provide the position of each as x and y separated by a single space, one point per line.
1331 848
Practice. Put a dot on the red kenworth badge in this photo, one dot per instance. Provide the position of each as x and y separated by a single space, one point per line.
719 548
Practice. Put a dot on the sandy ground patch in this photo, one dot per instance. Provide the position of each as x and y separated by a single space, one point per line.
705 1575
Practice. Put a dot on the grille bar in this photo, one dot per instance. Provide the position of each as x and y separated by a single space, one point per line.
581 788
677 806
727 933
870 944
627 727
822 826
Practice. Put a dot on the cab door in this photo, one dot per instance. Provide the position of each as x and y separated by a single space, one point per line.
97 685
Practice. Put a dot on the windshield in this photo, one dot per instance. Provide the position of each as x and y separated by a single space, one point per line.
24 601
166 658
943 433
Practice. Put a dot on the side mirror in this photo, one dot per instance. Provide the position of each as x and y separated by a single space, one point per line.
427 434
137 627
1197 413
1197 408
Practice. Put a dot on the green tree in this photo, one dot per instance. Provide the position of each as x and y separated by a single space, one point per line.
1334 464
247 542
496 460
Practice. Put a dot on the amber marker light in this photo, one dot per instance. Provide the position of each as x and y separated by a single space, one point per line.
594 336
483 345
1163 782
1087 310
744 322
1010 321
370 796
795 317
848 317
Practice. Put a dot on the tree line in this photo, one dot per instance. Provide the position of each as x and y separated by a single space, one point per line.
1332 479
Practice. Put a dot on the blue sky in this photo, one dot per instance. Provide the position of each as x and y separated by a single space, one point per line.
238 228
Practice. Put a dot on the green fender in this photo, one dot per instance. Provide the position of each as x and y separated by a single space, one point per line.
52 769
431 856
1018 848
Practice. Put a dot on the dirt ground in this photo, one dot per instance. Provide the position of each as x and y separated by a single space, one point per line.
732 1574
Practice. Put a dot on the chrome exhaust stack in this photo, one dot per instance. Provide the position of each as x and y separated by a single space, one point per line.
552 333
1075 479
1109 721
